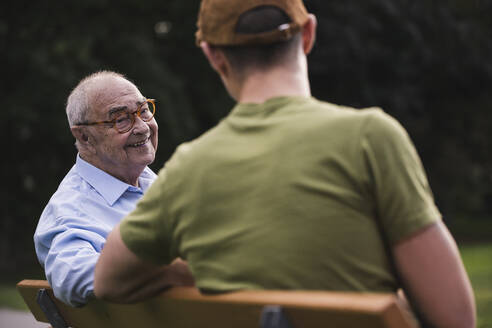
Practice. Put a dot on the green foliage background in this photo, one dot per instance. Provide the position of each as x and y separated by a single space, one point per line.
428 63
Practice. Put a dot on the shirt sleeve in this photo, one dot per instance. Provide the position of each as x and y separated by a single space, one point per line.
403 198
69 253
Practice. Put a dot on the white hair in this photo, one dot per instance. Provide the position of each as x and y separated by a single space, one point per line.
78 102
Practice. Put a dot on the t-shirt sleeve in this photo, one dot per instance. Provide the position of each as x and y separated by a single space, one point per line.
145 230
403 198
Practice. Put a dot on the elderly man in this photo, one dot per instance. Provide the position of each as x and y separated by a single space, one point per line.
116 136
289 192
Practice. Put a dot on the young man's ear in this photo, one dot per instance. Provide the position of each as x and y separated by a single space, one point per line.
216 58
309 34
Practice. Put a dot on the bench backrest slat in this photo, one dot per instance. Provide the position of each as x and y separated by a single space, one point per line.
182 307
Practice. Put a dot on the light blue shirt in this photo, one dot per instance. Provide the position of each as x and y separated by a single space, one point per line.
74 225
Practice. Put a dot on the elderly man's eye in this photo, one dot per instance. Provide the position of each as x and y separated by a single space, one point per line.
145 113
121 120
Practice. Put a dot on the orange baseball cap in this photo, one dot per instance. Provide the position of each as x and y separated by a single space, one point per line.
218 18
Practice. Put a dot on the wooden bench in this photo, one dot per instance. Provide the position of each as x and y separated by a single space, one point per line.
186 307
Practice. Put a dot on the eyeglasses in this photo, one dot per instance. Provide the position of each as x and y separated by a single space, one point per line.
124 121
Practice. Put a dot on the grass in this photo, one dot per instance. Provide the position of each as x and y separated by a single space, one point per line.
477 260
10 298
478 263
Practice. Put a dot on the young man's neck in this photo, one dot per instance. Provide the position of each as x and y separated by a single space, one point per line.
260 86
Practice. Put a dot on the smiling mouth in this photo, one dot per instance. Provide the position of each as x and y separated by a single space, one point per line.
139 144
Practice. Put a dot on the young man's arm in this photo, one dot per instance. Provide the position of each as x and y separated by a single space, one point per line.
122 277
435 279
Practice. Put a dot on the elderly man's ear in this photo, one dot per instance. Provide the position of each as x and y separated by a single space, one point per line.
83 138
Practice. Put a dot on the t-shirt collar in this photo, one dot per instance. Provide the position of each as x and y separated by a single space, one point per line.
270 105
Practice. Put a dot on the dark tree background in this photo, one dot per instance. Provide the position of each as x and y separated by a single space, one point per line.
428 63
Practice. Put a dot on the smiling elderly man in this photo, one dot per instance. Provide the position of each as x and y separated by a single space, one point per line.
116 136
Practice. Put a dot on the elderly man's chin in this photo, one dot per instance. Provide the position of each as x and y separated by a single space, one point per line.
144 155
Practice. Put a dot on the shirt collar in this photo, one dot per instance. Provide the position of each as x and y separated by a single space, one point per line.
268 106
109 187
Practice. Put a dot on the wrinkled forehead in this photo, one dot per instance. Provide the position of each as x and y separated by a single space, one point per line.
110 93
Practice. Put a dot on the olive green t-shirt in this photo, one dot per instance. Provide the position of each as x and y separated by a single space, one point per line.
293 193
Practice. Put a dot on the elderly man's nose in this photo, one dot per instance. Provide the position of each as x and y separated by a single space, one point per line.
140 126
